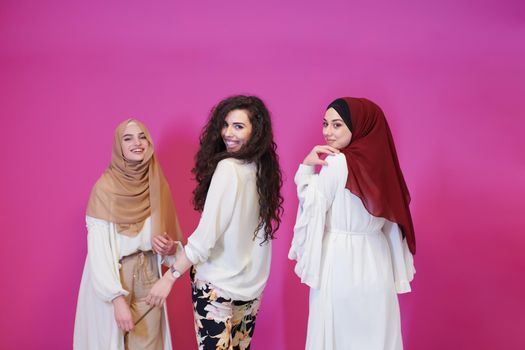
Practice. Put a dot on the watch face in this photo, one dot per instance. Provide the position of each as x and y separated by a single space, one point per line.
175 273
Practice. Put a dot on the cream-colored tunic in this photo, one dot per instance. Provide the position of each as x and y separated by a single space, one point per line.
354 263
95 325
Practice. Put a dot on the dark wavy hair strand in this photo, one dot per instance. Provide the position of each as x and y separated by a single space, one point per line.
260 149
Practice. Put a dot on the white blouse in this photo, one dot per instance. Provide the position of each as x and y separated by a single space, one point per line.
223 246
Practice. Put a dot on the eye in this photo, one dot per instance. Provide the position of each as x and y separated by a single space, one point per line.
337 125
238 127
127 138
325 124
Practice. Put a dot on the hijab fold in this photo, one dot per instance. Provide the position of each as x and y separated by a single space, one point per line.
129 192
374 174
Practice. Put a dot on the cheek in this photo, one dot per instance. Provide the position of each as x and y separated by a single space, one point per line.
247 135
345 138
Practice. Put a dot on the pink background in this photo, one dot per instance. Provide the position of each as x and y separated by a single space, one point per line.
449 76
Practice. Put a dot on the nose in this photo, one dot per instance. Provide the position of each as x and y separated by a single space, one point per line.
227 131
327 131
136 141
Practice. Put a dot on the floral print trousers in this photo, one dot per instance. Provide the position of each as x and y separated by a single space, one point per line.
222 323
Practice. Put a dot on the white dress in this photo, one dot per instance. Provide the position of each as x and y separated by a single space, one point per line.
354 262
95 325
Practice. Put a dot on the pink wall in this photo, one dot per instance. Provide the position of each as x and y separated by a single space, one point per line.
449 76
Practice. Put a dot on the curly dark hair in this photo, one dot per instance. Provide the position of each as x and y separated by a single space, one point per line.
260 149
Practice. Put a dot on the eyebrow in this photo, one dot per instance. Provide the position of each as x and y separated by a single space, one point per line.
337 119
236 123
130 135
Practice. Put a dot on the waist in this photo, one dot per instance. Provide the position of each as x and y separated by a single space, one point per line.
353 233
137 254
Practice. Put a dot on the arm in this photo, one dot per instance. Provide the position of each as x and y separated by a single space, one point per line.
402 259
104 275
216 216
307 168
318 195
217 213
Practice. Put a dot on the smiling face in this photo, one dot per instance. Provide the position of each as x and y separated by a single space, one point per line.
335 131
237 130
134 143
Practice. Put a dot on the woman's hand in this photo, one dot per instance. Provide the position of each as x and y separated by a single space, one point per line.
123 314
164 245
160 290
313 157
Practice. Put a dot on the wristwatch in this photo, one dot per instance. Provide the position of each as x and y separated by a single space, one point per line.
175 273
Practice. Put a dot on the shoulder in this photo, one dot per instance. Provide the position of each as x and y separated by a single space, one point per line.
338 159
233 165
336 169
227 165
336 164
227 169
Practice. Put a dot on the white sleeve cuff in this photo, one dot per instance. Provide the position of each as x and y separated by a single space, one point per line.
306 169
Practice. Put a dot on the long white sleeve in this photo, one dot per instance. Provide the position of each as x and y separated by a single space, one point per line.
217 212
101 258
402 259
316 194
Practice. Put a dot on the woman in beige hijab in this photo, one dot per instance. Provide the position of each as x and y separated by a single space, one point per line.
131 222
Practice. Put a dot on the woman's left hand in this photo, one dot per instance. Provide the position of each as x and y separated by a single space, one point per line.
160 290
164 245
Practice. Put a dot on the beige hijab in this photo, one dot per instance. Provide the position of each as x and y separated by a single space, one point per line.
130 192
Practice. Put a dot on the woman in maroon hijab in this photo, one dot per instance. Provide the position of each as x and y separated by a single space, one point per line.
354 239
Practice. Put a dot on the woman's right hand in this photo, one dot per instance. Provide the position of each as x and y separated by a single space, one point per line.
123 314
164 245
313 157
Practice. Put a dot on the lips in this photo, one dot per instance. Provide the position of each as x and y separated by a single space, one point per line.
231 143
137 150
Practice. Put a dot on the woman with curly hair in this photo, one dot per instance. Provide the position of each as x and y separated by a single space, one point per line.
354 238
238 192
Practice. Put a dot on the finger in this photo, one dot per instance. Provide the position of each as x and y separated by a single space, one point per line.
156 301
333 149
156 246
318 162
327 150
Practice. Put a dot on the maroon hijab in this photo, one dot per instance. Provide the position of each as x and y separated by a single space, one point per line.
374 174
